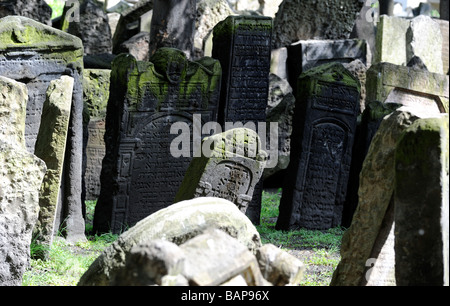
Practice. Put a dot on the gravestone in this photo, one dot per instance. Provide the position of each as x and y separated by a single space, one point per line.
242 44
306 54
367 251
311 19
95 95
422 204
50 147
37 10
390 83
390 41
324 123
36 54
141 173
230 171
21 174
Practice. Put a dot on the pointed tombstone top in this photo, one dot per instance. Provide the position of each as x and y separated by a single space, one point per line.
17 32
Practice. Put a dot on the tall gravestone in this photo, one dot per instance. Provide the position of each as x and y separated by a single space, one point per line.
140 173
37 54
21 174
422 204
324 125
230 170
242 44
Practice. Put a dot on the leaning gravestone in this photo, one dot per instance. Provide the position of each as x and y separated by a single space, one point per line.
36 54
230 171
51 147
21 176
324 125
242 44
141 173
422 204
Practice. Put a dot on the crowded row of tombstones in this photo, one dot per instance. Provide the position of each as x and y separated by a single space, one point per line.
348 145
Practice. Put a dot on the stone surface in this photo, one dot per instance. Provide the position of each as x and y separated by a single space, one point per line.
445 49
279 267
306 54
314 20
92 27
25 56
37 10
230 171
51 148
242 45
391 40
324 124
141 171
375 197
21 176
176 223
422 204
138 46
389 83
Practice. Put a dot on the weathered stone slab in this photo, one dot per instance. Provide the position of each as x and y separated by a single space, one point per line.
422 204
176 223
51 148
242 44
391 40
37 10
370 234
230 171
141 174
324 126
25 55
21 176
389 83
306 54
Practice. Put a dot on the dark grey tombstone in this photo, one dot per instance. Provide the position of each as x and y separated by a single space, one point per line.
37 10
306 54
324 126
242 44
140 174
36 54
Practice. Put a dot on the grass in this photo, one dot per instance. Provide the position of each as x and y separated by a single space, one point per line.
319 250
66 263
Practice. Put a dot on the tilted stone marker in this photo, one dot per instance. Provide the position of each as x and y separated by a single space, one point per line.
36 54
51 148
231 171
321 149
140 173
242 44
21 175
422 204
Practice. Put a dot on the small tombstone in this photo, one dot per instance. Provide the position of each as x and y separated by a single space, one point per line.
51 147
141 171
37 54
422 204
37 10
324 125
231 171
21 174
242 44
306 54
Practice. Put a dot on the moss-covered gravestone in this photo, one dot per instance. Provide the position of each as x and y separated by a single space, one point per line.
141 170
36 54
231 170
324 124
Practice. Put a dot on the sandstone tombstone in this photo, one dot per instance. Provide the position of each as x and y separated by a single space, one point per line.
231 170
21 175
95 95
314 20
422 204
390 42
242 44
51 147
141 173
37 10
390 83
25 55
324 125
306 54
367 251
